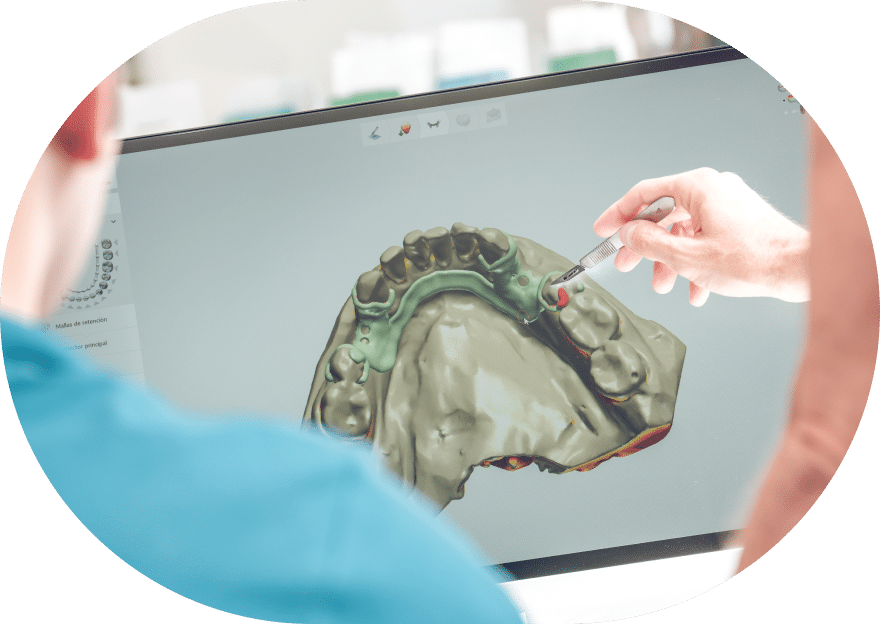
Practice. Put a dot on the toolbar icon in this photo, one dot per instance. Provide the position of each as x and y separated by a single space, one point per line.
493 114
433 124
374 132
465 119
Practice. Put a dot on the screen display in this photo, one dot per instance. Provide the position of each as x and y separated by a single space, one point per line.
224 265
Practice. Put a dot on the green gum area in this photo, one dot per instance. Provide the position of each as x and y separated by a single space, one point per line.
378 335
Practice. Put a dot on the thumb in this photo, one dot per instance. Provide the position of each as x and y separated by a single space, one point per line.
653 242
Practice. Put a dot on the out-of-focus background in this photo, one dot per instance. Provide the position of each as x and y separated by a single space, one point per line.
293 56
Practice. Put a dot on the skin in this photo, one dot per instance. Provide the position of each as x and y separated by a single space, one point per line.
61 206
726 239
832 384
59 214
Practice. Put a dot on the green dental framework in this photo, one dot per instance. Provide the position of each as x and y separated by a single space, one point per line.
512 291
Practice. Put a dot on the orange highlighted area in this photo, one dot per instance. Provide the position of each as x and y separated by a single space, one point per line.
642 441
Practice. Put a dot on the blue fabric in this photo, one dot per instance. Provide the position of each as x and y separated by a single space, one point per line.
253 517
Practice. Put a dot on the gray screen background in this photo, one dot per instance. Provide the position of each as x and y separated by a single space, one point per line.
242 252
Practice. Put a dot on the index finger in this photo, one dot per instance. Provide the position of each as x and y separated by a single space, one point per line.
636 199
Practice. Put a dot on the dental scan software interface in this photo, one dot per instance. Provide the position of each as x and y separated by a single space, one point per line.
225 269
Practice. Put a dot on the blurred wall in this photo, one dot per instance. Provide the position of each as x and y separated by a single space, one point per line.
291 56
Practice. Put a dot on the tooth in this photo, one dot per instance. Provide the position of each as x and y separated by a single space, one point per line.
343 367
346 408
371 286
465 239
440 241
588 320
393 262
617 369
416 249
493 244
550 293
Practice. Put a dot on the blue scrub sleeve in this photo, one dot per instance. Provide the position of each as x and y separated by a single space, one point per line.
251 516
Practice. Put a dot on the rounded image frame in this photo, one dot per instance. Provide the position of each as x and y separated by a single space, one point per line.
55 569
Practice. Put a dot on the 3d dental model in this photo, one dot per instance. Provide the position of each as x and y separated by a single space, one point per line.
455 352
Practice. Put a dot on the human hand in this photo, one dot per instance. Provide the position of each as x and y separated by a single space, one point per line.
724 238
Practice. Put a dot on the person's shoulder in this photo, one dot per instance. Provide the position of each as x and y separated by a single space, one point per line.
18 332
35 358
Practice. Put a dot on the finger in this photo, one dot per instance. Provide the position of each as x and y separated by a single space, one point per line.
681 228
680 253
626 260
633 202
664 278
678 215
697 295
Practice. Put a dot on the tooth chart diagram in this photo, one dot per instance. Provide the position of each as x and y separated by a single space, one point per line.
456 353
99 284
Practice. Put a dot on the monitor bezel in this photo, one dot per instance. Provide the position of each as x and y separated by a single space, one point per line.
432 99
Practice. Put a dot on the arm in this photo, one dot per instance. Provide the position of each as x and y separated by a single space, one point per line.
835 374
255 518
250 516
726 239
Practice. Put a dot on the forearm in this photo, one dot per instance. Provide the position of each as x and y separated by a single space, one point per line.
839 359
814 444
788 276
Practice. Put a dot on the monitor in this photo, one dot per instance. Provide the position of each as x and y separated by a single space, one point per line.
230 259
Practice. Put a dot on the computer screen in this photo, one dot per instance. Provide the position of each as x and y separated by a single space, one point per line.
230 258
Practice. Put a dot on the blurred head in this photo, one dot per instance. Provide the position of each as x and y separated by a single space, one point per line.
59 214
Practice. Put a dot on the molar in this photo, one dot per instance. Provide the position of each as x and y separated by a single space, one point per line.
345 406
588 320
343 368
346 409
617 369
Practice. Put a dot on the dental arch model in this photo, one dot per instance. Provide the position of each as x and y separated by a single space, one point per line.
456 352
